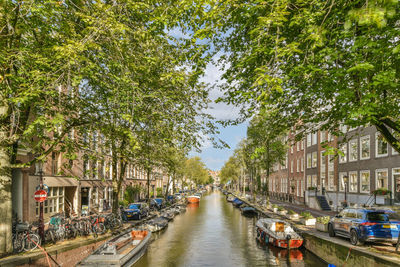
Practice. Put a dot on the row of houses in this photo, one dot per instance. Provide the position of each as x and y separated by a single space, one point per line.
366 163
74 187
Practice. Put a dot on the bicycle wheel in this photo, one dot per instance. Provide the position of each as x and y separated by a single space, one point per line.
31 241
50 236
18 243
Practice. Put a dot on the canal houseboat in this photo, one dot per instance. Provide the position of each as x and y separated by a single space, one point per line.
123 250
278 233
156 224
193 199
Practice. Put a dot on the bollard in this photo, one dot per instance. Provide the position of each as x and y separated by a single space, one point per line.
288 238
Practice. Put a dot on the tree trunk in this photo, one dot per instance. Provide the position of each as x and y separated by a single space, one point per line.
5 182
148 184
5 201
268 172
117 185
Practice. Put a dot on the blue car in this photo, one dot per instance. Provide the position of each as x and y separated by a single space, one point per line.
132 212
366 225
157 203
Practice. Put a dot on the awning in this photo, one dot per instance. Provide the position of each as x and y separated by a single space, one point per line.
53 181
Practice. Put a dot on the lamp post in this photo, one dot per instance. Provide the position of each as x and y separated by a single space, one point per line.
345 179
39 168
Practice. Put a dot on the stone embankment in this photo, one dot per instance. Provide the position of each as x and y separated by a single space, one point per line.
68 252
336 250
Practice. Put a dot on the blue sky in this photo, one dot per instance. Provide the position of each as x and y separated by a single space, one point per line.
215 158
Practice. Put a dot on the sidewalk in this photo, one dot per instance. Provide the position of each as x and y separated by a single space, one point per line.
301 208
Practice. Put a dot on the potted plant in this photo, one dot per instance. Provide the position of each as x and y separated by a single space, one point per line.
274 208
307 218
281 211
322 223
292 215
381 192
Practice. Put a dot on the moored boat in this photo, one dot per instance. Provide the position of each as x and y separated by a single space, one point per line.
278 233
122 250
193 199
237 202
230 198
248 211
156 224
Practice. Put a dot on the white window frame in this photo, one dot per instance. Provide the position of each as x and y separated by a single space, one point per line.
322 136
309 160
322 159
343 148
302 164
361 181
302 144
309 181
394 172
366 137
314 138
298 165
341 181
291 166
377 134
376 177
350 182
309 140
350 150
314 156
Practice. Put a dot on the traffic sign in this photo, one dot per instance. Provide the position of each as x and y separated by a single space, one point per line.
45 187
40 195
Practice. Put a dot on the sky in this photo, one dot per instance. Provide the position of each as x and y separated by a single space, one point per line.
214 158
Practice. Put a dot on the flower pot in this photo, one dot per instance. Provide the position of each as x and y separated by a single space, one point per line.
275 210
311 221
321 227
282 212
292 216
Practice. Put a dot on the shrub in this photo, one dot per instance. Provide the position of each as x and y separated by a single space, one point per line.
280 209
291 212
311 188
274 206
306 215
323 220
381 191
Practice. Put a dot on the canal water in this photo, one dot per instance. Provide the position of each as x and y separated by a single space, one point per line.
214 233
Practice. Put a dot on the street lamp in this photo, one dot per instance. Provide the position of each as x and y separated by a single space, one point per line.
39 169
345 179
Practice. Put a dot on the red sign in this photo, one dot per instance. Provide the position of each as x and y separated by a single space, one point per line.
40 195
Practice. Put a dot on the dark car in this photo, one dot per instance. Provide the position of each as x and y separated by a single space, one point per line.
157 203
366 225
136 211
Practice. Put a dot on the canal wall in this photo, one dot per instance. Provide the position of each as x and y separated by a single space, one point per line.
334 250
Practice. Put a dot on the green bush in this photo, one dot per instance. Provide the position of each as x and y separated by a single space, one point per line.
291 212
306 215
274 206
323 220
159 192
280 209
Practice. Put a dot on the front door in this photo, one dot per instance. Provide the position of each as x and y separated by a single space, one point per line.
396 180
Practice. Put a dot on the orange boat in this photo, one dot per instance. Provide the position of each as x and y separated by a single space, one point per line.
193 199
278 233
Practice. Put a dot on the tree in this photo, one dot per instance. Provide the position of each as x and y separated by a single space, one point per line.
230 171
324 63
196 171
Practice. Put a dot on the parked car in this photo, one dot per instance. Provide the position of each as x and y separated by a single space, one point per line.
366 225
136 211
157 203
177 196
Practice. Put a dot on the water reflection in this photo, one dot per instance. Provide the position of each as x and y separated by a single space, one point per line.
214 233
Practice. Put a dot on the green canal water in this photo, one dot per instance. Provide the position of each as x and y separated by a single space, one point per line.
216 234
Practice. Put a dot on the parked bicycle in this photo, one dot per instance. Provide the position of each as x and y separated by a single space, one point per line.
25 237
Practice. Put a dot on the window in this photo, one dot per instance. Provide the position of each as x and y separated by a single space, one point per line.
394 152
291 149
365 181
341 181
322 136
396 179
323 178
308 140
314 180
298 146
365 147
314 159
309 160
353 150
302 144
343 149
382 178
54 202
314 138
54 163
309 181
85 166
298 165
331 177
291 166
330 137
302 188
381 146
302 164
323 160
353 179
